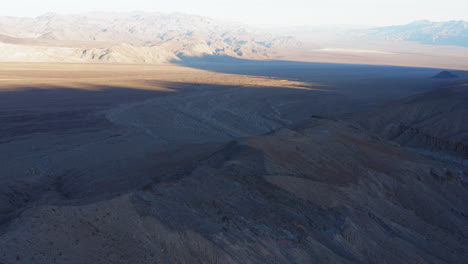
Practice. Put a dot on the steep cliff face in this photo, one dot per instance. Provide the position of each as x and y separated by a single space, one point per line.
322 191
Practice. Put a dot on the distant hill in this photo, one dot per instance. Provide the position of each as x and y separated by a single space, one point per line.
426 32
444 75
135 37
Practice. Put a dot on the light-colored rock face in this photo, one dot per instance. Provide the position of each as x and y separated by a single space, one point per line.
21 53
323 191
129 38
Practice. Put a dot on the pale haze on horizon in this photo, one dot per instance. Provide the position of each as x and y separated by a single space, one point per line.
259 12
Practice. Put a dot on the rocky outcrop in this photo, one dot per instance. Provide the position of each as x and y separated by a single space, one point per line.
432 142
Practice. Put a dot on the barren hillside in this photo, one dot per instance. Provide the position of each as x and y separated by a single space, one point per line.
322 191
436 121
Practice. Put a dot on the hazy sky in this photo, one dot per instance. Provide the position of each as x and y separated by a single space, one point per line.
287 12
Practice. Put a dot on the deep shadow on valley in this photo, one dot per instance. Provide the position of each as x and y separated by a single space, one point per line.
370 83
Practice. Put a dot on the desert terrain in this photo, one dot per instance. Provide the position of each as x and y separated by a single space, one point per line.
220 160
155 38
145 137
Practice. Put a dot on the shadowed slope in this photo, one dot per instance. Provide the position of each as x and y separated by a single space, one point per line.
436 121
323 191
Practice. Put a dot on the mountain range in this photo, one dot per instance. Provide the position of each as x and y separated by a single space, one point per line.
426 32
142 37
135 37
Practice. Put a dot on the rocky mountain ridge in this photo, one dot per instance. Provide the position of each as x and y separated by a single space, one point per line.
453 32
135 37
